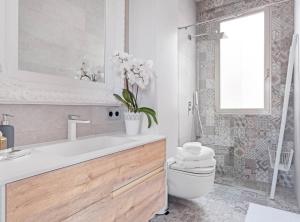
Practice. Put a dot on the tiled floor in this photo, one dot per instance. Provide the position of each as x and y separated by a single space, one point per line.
224 204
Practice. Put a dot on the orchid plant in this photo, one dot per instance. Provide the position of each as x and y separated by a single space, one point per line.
137 75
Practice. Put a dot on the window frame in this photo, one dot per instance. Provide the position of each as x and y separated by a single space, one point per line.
267 70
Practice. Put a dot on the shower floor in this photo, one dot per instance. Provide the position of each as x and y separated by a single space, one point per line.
226 203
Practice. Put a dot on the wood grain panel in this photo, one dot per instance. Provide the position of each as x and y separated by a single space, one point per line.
139 162
136 204
136 182
101 211
58 195
142 202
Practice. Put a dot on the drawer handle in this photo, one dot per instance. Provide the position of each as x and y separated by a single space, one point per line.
136 182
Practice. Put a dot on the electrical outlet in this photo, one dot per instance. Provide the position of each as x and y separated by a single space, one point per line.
113 113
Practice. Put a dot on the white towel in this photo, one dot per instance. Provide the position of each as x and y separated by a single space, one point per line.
194 164
193 147
205 154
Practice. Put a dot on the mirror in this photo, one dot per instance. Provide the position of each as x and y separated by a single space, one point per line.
47 46
63 38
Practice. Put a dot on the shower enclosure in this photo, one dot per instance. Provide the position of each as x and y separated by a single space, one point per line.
241 140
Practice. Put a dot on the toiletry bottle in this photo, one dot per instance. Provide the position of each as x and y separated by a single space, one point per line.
7 130
3 142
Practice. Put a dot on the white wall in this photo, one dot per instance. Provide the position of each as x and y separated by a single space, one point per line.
187 70
153 35
187 12
2 19
297 105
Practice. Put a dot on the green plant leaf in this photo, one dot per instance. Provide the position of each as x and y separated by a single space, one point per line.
149 111
129 97
133 99
122 101
155 119
149 120
126 96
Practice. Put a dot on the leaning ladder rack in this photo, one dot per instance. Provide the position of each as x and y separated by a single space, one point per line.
279 155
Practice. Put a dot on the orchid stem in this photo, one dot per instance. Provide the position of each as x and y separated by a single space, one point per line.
137 92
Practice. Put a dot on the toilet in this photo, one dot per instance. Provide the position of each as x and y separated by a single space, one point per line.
190 183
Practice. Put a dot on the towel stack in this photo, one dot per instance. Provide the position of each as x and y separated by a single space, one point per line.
194 157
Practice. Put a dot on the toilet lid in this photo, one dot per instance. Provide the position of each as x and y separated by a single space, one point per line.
204 170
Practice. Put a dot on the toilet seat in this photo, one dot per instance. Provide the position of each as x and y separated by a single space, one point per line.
200 171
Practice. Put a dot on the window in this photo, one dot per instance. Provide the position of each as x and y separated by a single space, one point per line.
243 73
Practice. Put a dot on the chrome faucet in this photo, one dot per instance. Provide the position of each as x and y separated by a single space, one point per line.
73 120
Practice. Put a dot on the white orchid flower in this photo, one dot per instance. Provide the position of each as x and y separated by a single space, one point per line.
136 71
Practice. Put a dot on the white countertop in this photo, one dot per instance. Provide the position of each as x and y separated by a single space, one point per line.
40 162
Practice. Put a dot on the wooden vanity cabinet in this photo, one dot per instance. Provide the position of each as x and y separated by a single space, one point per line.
125 186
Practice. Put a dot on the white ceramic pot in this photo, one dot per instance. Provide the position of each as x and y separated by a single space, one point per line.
132 123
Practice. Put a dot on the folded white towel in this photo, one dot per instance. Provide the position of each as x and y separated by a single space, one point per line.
205 154
194 164
193 147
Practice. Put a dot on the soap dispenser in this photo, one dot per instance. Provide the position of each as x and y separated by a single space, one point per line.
7 130
3 142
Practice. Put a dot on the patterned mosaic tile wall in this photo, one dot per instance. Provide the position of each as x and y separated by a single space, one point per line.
242 141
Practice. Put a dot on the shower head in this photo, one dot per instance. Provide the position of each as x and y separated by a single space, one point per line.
208 36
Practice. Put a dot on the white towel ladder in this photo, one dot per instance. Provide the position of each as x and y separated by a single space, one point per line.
292 58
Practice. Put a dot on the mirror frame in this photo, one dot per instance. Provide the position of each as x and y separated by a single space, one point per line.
23 87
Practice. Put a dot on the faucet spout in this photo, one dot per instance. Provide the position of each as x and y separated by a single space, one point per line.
73 120
83 121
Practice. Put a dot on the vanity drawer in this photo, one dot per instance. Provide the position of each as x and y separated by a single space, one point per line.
135 202
59 194
135 163
141 201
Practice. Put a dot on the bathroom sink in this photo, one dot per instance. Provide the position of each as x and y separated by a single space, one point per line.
84 146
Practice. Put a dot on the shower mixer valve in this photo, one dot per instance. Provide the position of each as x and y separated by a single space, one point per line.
190 107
